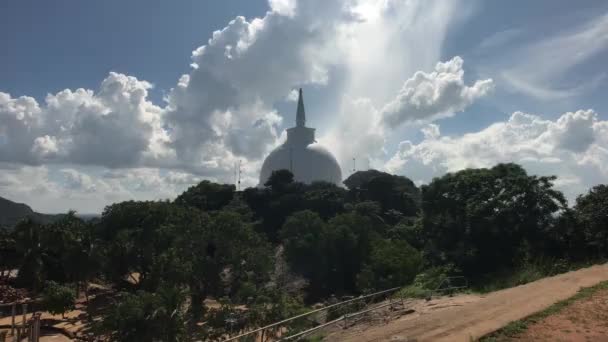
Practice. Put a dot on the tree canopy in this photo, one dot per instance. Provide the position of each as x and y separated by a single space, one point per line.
277 248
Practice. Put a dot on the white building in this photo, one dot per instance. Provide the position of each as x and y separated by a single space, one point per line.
307 160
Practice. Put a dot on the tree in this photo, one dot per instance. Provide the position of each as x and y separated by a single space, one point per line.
135 234
591 211
279 179
32 272
67 245
273 204
58 299
392 192
326 199
304 237
220 256
391 263
329 255
9 258
479 219
147 317
207 196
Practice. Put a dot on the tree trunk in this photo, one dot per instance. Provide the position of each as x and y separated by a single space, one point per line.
197 296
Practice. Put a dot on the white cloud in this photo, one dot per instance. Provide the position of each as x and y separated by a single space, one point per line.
113 127
116 142
573 147
539 68
58 189
440 93
283 7
361 128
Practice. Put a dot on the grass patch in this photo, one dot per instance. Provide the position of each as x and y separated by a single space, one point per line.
529 272
414 291
518 327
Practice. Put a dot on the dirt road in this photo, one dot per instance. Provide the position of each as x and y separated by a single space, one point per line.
477 318
584 320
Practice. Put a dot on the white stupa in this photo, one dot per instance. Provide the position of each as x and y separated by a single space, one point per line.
307 160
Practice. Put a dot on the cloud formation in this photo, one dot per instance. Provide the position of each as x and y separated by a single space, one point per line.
573 147
94 147
115 127
539 68
441 93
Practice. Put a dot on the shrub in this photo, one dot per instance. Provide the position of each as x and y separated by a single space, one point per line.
58 299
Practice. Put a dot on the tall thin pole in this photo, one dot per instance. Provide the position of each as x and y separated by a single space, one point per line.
24 310
354 165
13 314
238 188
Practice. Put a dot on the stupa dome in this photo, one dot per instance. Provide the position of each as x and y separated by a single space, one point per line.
302 155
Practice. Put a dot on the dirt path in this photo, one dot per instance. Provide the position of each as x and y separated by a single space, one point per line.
584 320
477 318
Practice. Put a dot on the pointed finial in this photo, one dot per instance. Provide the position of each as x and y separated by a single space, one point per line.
300 115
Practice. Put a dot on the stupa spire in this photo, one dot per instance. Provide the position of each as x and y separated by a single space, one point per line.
300 115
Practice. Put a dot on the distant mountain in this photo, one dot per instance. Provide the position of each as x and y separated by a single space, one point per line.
11 213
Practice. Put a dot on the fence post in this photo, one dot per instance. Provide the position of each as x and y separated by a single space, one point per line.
30 332
37 327
17 337
13 314
24 308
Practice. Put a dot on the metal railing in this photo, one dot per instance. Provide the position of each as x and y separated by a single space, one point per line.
450 284
369 297
346 318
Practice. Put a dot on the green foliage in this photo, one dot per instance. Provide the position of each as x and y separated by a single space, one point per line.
592 216
134 236
9 257
60 251
164 242
528 272
269 306
497 226
428 281
391 192
283 197
391 263
305 241
478 219
207 196
279 179
147 317
58 299
338 256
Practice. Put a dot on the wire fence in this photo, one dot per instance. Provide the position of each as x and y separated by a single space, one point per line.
347 311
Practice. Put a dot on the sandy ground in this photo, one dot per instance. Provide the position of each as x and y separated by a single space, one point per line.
467 321
582 321
71 324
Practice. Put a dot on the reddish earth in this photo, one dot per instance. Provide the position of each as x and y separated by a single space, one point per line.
582 321
477 318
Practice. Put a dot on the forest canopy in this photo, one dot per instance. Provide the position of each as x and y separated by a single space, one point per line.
286 245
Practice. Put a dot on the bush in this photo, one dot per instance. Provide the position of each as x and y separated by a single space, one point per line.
391 263
426 282
147 317
58 299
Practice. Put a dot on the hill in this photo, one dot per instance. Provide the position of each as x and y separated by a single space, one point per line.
11 213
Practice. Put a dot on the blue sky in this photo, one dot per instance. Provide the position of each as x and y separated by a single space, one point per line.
417 88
